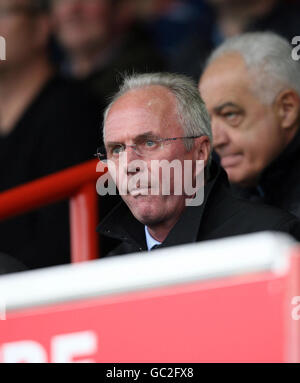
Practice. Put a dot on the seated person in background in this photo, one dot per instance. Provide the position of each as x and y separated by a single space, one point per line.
171 23
156 117
251 87
46 124
102 39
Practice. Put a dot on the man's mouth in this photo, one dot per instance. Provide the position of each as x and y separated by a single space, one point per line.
231 160
143 191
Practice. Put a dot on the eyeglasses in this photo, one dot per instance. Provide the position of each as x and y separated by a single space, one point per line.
145 147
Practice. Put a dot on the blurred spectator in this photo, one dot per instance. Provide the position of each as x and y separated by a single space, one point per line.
255 116
102 39
233 17
172 22
46 124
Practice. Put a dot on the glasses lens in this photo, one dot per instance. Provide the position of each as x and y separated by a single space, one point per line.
148 146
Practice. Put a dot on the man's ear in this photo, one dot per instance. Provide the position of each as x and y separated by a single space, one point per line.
287 108
203 149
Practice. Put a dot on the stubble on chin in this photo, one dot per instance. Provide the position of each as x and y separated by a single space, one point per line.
144 209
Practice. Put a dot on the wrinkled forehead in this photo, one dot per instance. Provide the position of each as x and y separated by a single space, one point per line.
133 114
128 124
220 83
140 110
154 98
222 69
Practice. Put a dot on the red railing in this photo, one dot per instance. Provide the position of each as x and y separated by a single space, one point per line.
78 184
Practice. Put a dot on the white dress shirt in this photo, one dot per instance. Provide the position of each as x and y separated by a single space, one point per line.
150 240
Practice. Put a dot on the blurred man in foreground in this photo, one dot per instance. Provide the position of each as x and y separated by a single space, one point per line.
160 119
46 124
251 87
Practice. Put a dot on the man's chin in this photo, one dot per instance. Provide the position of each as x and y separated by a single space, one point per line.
146 212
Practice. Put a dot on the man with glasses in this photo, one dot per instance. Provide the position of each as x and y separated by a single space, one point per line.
41 116
157 118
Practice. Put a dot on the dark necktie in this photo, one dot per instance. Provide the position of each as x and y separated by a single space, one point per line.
156 247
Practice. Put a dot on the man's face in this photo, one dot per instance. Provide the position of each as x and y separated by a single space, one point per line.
148 112
246 133
19 28
82 24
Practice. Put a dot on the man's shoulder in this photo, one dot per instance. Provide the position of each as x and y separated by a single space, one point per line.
231 215
261 213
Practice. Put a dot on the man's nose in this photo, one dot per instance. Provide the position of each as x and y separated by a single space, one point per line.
220 134
128 160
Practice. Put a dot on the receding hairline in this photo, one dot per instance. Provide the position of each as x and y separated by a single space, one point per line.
152 88
240 68
251 81
159 93
157 89
267 57
227 56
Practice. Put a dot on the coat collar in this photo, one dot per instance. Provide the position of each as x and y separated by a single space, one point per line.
278 168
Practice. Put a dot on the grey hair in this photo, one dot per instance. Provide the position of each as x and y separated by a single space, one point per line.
268 58
191 109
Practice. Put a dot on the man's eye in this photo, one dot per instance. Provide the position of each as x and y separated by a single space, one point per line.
230 115
233 118
116 150
150 144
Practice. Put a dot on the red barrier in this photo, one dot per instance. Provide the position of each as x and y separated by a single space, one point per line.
96 311
77 184
293 300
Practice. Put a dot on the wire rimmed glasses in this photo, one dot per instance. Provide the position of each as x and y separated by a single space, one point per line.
144 147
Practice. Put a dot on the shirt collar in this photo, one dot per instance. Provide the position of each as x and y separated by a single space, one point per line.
150 241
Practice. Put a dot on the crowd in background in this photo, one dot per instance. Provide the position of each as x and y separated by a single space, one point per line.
65 59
